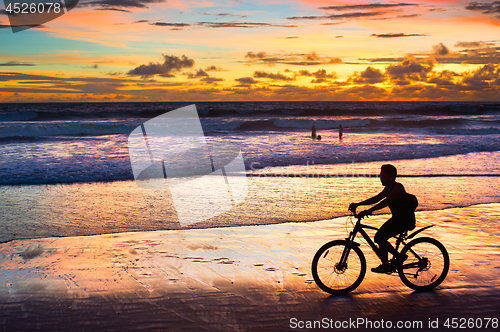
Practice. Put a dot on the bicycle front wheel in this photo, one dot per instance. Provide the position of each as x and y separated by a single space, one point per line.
332 276
426 266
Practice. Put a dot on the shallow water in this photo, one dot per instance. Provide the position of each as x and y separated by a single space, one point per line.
275 195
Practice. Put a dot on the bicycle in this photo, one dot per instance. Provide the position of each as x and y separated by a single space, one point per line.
339 266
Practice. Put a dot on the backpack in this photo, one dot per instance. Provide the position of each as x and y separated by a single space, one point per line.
411 202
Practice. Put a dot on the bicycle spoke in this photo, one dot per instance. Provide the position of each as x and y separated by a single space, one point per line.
334 277
426 266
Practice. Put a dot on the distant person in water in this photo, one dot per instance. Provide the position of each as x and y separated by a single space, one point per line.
319 137
313 132
341 131
402 207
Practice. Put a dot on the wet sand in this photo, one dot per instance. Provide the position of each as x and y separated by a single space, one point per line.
236 279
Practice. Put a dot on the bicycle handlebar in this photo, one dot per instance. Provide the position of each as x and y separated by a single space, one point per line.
356 215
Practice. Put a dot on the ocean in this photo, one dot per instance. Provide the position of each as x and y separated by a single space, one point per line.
65 168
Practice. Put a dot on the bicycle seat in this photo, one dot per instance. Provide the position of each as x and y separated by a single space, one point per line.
401 236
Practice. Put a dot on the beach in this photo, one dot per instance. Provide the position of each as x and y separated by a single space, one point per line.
83 247
236 279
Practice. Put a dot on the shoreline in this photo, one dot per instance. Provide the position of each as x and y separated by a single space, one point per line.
107 208
222 227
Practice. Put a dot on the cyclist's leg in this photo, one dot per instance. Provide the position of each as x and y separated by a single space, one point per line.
390 228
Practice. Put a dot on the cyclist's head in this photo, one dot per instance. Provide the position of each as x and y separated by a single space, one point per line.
388 174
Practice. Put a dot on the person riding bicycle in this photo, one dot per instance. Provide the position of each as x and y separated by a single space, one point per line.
402 206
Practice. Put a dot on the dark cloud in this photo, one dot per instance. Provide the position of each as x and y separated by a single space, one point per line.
213 68
242 25
115 9
174 25
396 35
480 84
35 90
15 64
313 56
485 7
198 74
309 59
440 49
408 16
246 80
321 61
171 64
36 26
217 25
211 80
222 14
94 66
474 44
275 77
479 53
119 3
39 84
353 15
336 16
259 55
368 76
460 59
368 6
482 78
445 78
15 76
12 76
321 76
290 89
439 10
410 69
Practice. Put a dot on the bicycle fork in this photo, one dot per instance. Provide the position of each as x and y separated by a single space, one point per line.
342 264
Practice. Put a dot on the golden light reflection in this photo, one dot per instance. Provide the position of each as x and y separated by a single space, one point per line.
240 260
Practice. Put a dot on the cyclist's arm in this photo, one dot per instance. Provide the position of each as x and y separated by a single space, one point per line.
397 191
374 199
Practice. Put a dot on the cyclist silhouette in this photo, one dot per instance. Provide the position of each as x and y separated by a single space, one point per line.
402 206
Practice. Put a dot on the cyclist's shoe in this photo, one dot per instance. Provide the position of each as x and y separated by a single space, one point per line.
395 262
382 269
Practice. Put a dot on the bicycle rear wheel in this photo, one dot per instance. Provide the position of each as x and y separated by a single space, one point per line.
328 273
426 266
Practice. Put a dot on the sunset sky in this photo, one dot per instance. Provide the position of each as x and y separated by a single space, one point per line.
155 50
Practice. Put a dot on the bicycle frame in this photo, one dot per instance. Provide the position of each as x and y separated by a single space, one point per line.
359 228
